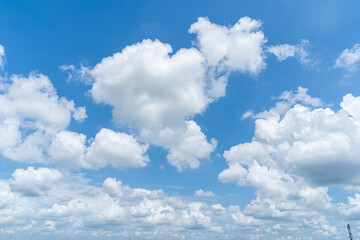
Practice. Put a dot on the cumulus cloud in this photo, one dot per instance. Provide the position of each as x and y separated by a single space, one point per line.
284 51
34 200
34 182
155 93
238 48
307 142
149 88
41 201
2 57
68 149
33 123
117 149
349 59
235 48
298 151
31 114
202 193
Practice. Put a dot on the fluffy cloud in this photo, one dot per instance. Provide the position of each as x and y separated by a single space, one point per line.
318 144
117 149
202 193
33 123
31 114
192 147
238 48
68 149
149 88
120 150
37 199
284 51
298 151
34 182
349 59
155 93
2 56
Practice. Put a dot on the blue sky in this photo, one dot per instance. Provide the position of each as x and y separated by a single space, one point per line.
179 119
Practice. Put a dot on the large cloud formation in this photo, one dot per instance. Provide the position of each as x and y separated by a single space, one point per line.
33 123
298 151
157 93
42 202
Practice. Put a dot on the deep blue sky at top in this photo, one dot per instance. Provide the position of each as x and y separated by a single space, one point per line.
43 35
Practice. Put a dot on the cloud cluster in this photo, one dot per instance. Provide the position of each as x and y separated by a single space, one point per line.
157 92
45 199
33 123
64 205
153 91
298 151
31 113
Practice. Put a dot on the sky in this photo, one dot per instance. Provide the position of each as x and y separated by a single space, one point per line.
179 119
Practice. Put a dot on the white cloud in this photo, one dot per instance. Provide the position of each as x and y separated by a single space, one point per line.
194 146
68 149
116 210
35 198
117 149
2 57
120 150
238 48
34 182
149 88
284 51
349 59
351 105
156 93
202 193
300 96
33 123
235 48
306 142
298 151
31 114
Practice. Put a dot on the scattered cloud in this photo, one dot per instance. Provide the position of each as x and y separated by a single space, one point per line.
157 94
40 200
284 51
34 200
349 59
202 193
